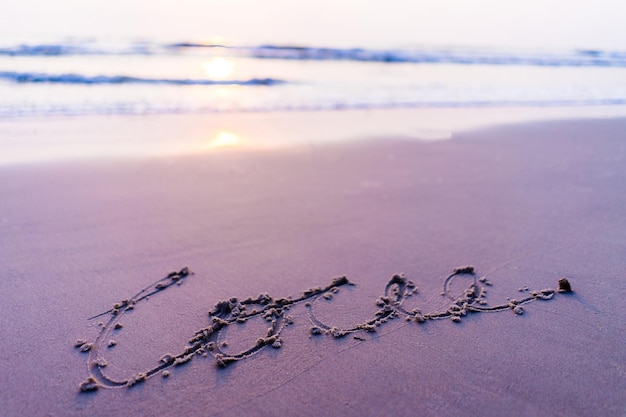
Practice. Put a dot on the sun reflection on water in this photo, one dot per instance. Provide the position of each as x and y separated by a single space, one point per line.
219 68
224 139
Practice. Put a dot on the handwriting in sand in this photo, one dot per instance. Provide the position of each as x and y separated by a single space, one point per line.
234 311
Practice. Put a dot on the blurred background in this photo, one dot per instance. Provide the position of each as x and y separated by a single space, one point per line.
202 56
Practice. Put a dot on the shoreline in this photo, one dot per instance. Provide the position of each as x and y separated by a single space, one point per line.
111 137
525 204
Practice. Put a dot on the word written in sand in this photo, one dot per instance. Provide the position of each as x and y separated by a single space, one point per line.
233 311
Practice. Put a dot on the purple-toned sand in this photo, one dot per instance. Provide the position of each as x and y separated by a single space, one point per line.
525 205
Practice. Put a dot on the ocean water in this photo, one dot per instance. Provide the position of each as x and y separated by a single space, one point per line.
94 77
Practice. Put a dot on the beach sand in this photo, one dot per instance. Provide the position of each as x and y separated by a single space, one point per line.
524 204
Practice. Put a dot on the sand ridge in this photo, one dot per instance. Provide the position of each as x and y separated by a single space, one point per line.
233 311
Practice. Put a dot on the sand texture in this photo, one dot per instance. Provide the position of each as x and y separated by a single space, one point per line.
382 277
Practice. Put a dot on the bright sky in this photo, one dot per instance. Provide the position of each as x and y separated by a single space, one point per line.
521 23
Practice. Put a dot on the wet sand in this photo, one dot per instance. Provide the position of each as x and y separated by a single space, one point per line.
525 205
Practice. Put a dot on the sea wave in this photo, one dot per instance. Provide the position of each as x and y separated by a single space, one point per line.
448 56
458 55
82 48
30 77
